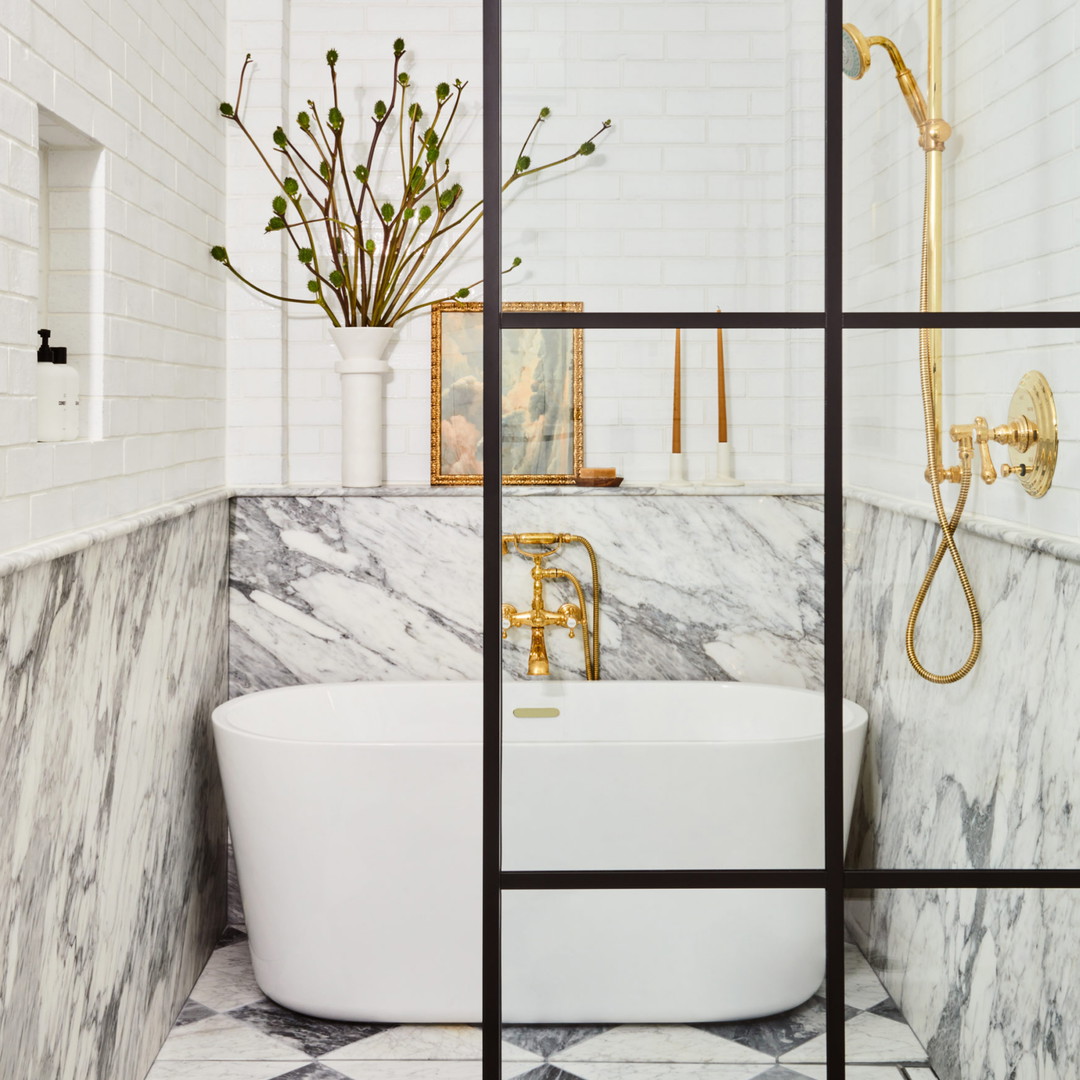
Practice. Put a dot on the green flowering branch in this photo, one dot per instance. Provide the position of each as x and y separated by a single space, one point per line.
371 258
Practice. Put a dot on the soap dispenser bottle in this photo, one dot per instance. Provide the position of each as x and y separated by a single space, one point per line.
70 423
51 393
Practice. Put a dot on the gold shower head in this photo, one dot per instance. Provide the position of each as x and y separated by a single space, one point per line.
856 52
855 58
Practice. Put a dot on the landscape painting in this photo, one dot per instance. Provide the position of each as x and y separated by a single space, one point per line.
541 398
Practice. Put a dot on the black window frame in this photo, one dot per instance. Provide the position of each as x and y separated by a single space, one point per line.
833 879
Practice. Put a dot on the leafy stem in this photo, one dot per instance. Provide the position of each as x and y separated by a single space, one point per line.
372 262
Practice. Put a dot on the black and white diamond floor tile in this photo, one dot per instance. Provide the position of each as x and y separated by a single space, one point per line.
229 1031
547 1040
314 1037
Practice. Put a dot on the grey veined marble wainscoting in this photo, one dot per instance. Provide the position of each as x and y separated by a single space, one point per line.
388 587
112 846
981 773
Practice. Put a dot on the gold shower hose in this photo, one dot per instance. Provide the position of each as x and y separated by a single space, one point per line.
948 525
592 656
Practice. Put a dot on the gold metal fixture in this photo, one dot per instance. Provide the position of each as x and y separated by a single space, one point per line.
1033 454
537 617
1031 436
933 131
1031 433
933 134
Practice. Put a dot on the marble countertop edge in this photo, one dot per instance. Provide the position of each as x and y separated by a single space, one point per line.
750 487
1058 545
55 547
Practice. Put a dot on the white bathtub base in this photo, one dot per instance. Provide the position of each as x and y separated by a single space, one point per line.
649 956
356 816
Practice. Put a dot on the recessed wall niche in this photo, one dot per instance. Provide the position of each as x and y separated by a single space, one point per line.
71 255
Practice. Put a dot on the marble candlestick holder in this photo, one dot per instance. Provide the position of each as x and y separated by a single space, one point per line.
676 471
722 475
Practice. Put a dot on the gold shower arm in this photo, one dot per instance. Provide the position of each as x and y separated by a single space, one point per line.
908 86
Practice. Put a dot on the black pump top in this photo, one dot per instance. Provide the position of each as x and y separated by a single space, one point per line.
50 354
45 351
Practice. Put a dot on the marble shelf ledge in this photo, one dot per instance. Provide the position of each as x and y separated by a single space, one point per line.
1058 545
308 491
55 547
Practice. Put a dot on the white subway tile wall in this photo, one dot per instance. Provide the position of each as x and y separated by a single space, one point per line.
706 193
885 449
697 198
143 82
1011 86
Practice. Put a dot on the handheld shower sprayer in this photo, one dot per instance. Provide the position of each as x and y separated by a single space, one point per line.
856 63
933 133
1031 432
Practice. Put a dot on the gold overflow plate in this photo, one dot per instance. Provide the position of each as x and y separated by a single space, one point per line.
1033 453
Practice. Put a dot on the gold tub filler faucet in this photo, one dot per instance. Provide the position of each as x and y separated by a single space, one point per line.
539 547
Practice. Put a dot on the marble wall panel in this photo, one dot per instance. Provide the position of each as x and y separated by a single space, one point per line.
342 589
112 883
981 773
693 587
987 978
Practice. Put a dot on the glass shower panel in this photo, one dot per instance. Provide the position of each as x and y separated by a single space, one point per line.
1010 87
704 192
644 983
978 771
981 981
659 633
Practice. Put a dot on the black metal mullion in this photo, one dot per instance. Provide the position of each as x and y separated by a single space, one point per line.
961 320
930 878
833 320
835 1049
789 320
663 879
663 320
491 1016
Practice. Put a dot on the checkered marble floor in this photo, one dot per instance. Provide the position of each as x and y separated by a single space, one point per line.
228 1030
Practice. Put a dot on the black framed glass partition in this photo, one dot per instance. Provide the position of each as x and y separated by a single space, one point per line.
860 358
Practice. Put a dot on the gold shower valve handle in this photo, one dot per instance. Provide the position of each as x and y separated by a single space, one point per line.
970 436
1014 470
982 439
1031 436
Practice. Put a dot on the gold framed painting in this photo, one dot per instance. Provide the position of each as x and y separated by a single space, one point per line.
542 390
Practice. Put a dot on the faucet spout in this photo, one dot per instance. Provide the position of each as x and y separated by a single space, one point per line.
538 657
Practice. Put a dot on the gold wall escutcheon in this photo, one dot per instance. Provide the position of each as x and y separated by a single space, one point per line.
1033 457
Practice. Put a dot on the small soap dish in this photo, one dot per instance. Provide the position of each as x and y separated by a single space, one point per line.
587 477
598 481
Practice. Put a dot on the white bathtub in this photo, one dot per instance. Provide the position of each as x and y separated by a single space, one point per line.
355 814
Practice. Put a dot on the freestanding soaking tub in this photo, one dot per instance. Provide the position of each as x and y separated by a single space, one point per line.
355 814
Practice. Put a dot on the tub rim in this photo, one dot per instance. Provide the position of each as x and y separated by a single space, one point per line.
855 717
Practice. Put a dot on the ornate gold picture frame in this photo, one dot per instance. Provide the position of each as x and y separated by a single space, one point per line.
542 392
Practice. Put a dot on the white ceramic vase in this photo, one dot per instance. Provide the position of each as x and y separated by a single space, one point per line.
363 374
